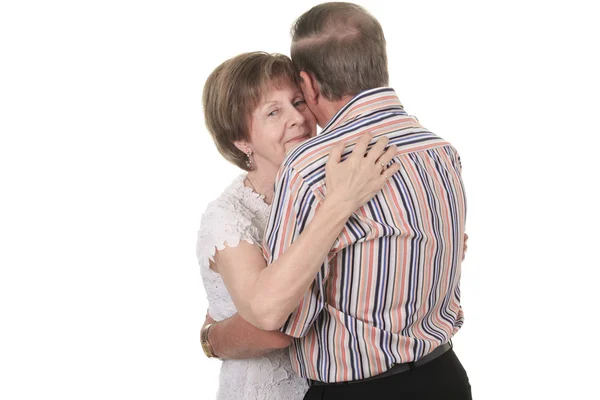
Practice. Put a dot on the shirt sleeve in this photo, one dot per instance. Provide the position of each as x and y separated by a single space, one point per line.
294 205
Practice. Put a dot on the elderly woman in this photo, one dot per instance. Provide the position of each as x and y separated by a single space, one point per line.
255 113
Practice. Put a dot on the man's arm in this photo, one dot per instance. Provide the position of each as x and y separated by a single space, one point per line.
234 338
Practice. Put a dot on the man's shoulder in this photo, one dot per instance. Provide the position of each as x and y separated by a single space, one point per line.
308 159
314 152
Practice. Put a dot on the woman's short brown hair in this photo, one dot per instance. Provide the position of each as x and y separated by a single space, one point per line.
232 92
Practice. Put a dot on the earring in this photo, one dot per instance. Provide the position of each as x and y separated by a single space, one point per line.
249 162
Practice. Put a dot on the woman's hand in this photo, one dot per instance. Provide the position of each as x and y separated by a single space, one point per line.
357 179
465 246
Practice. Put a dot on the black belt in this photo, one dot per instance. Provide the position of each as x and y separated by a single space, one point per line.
395 369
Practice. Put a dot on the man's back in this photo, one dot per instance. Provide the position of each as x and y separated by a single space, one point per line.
389 292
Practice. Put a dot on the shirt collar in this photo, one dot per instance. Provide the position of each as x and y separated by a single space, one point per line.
365 103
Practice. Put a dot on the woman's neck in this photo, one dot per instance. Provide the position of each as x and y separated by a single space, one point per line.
261 183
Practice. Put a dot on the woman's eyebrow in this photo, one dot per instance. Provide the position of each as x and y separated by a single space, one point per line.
268 103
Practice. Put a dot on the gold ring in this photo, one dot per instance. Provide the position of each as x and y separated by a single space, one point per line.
382 164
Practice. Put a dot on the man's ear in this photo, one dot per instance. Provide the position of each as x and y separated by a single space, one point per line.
310 88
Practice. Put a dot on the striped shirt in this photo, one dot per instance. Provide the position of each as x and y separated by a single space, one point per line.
388 292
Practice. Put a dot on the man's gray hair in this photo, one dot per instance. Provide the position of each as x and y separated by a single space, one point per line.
342 46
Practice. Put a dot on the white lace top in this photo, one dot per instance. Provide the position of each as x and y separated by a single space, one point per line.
241 214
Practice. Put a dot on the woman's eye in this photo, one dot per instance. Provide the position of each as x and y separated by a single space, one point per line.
273 113
299 103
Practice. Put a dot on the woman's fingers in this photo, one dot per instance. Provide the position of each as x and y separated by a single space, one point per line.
387 156
378 149
335 155
378 157
388 173
362 175
361 146
371 164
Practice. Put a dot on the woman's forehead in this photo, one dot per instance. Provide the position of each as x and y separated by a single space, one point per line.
274 86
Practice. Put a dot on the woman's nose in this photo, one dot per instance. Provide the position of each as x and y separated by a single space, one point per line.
296 118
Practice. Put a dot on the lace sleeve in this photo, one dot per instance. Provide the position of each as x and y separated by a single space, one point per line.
225 223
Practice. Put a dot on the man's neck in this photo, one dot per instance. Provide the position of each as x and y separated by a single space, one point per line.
329 108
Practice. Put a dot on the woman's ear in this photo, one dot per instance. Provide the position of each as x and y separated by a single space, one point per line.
242 146
310 88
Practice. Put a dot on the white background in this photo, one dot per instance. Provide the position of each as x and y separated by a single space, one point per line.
106 167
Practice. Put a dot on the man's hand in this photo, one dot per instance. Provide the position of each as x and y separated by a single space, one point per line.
234 339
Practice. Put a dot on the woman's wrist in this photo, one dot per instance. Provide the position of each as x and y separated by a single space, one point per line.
338 209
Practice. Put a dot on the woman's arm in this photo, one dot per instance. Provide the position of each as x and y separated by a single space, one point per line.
266 296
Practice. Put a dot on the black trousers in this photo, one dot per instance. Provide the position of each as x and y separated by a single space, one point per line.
441 379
